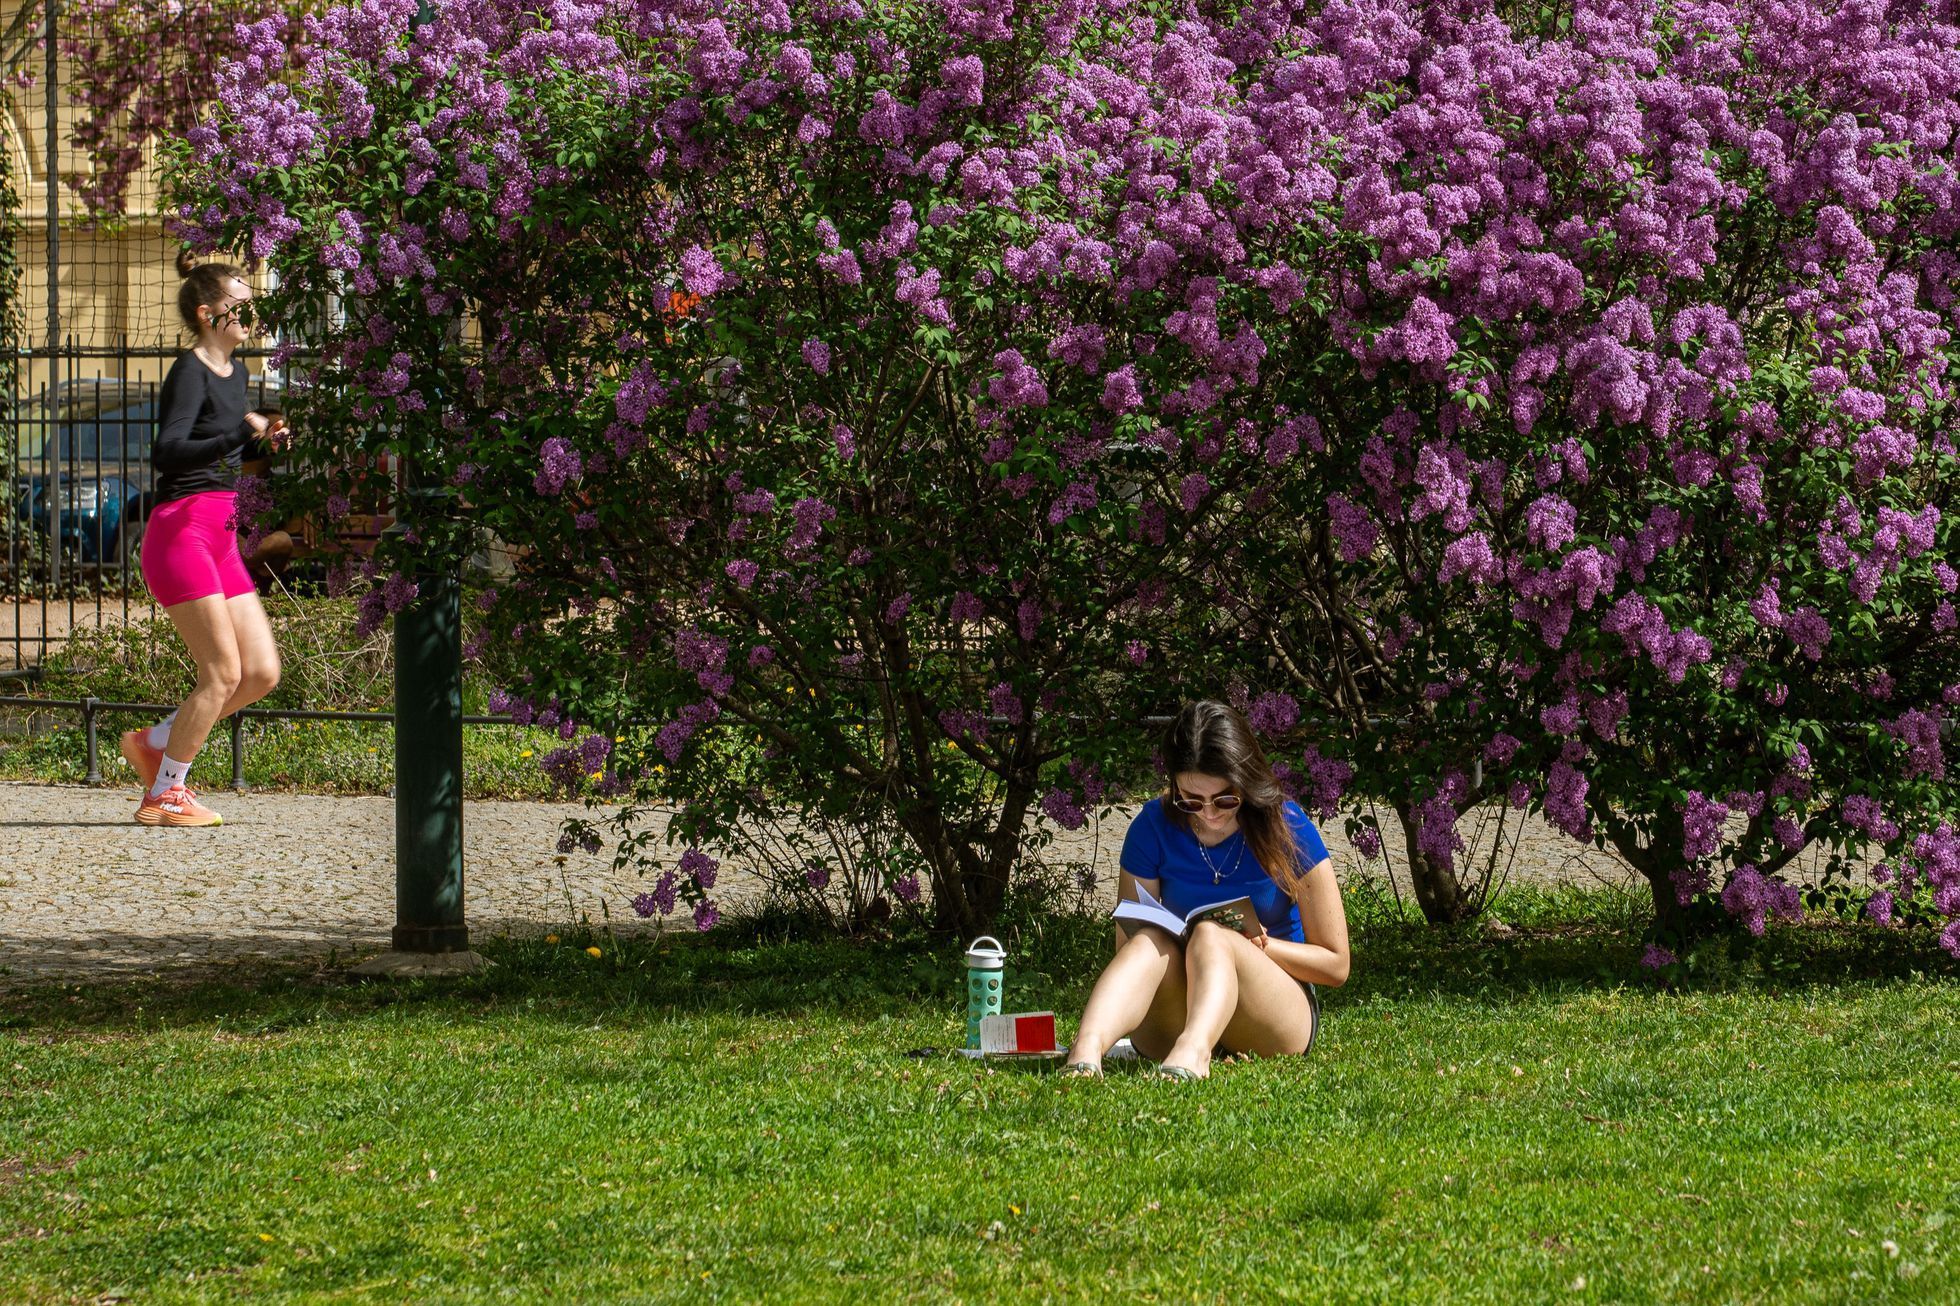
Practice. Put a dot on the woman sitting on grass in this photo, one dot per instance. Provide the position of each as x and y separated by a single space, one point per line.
1222 830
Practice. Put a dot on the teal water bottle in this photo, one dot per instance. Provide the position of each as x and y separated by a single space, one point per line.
986 968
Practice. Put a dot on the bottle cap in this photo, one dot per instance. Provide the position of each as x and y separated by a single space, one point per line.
987 958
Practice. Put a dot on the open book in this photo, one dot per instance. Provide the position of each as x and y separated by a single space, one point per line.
1234 914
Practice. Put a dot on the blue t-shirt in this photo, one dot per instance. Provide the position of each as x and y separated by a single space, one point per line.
1155 849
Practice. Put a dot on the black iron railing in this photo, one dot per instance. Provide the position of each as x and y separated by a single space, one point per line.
91 709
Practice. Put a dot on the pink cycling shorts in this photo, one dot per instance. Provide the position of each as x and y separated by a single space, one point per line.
190 550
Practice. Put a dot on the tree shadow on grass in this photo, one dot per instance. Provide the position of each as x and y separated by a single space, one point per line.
763 969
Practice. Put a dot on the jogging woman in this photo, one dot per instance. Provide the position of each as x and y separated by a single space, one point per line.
190 548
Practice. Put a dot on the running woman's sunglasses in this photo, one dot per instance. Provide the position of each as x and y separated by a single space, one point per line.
1192 806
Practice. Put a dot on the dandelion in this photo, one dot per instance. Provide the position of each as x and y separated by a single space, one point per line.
594 952
551 938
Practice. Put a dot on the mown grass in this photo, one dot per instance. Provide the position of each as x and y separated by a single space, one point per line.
753 1115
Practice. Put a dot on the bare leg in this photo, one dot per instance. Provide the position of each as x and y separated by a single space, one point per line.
206 627
1240 997
258 655
1127 991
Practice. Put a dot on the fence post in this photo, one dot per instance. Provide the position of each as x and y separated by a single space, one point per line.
238 751
51 184
94 776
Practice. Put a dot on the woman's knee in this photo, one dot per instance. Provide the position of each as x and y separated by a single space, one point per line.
221 676
1209 939
260 679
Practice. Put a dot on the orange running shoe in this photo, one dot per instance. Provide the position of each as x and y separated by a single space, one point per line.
175 806
143 759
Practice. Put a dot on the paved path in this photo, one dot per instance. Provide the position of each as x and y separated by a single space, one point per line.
85 892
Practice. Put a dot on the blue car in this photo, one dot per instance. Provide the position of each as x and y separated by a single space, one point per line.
97 450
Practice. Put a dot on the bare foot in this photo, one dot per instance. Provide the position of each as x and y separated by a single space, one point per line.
1184 1063
1085 1052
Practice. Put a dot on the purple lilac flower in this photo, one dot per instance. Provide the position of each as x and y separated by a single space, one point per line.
1273 713
1063 810
700 868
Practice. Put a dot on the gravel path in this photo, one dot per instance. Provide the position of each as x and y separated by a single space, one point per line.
87 893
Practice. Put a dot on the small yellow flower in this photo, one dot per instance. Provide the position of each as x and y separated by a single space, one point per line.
525 753
551 938
619 739
594 952
596 775
660 770
265 1237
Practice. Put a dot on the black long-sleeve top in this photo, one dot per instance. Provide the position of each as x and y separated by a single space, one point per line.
201 430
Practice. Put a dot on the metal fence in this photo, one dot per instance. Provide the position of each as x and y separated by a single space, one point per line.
80 487
88 327
92 709
79 481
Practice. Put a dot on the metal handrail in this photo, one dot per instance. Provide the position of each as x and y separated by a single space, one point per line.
91 706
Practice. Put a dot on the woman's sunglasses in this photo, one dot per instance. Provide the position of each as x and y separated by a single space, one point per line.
1192 806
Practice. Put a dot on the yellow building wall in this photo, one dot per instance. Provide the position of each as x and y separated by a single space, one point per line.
118 283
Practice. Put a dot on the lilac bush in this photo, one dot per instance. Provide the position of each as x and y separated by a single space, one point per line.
139 73
1548 406
871 392
1636 500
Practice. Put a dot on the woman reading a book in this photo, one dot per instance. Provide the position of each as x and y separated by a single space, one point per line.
1228 913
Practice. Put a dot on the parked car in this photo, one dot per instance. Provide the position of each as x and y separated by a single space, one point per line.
93 440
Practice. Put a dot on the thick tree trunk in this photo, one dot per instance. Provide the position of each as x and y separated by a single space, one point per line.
1657 859
1438 892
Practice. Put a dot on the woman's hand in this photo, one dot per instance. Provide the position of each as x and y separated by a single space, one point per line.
1260 939
271 429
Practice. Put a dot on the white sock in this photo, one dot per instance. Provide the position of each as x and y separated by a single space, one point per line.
159 734
171 774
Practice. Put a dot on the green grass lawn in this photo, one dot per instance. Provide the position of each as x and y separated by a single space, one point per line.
736 1118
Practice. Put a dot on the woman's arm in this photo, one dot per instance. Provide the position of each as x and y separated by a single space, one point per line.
1126 891
1323 958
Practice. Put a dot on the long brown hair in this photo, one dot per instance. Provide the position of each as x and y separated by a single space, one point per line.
1215 739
